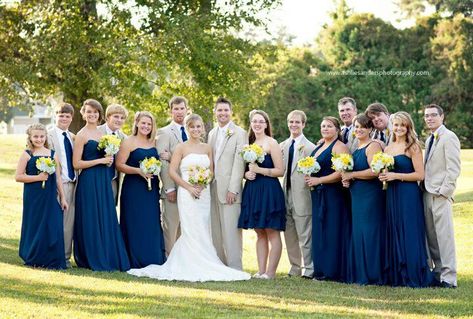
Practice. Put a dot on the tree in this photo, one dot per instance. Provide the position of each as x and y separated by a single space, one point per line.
138 53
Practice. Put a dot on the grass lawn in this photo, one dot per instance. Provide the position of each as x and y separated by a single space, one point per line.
79 293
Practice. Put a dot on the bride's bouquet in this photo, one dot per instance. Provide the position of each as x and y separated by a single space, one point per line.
110 144
199 175
46 165
342 162
150 166
382 162
307 166
252 153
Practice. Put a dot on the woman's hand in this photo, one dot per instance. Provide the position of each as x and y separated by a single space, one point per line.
387 177
253 167
346 183
250 175
43 176
347 176
311 181
107 160
195 190
64 204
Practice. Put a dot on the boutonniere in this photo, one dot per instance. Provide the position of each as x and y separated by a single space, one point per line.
436 136
229 132
353 134
300 148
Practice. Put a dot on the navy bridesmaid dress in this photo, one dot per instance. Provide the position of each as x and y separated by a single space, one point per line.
368 209
330 223
98 242
263 205
42 233
140 219
406 252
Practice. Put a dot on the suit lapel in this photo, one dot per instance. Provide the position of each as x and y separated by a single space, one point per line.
56 142
225 139
175 132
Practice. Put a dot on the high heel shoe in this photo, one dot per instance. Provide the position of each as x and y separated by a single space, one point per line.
266 276
256 276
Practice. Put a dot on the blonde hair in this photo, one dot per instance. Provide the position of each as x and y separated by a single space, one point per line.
115 109
411 135
191 119
297 112
138 116
29 131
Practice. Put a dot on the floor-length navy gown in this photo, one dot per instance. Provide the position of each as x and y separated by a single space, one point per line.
406 253
368 208
42 233
140 219
263 205
330 223
98 242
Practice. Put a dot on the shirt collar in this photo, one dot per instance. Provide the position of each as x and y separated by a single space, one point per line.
298 139
225 128
178 125
60 131
108 130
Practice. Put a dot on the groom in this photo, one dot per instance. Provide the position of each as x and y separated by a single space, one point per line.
226 140
167 139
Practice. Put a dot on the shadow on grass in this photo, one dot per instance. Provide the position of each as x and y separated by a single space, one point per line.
333 299
7 171
464 197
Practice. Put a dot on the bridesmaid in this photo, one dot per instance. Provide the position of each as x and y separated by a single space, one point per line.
330 207
368 208
42 233
263 207
98 242
140 216
406 253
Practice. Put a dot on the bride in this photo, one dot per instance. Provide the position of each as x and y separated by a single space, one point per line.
193 257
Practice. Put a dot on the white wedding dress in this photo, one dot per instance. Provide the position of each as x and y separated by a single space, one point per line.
193 257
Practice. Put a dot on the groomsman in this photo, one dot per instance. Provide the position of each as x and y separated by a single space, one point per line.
380 116
298 234
115 117
62 141
227 140
167 139
442 168
347 111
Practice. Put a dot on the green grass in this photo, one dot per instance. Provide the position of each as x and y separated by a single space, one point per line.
79 293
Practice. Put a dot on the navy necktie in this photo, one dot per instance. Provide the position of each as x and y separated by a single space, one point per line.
345 135
429 147
289 164
68 149
183 134
382 137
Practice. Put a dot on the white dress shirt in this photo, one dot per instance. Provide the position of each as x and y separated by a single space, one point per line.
63 158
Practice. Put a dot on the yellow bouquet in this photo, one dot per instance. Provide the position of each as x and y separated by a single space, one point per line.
382 162
342 162
46 165
252 153
307 166
150 166
110 144
199 175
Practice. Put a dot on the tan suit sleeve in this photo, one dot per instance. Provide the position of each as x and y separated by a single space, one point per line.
452 166
238 169
162 144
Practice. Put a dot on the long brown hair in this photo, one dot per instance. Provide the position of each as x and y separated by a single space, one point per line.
267 130
411 135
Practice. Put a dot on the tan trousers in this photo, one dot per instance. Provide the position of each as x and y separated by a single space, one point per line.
68 217
298 238
440 236
170 223
226 236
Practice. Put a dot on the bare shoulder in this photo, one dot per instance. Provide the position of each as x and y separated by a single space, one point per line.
375 146
340 147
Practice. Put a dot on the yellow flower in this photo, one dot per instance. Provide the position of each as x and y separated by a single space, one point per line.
436 136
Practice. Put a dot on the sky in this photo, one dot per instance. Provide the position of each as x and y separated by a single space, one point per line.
305 18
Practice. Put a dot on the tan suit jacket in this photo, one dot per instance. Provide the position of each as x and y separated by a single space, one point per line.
167 138
229 171
442 167
231 167
299 190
